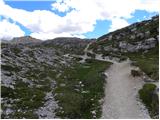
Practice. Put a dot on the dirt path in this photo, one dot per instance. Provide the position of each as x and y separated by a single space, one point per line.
121 90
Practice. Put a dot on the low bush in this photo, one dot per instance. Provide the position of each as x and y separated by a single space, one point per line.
150 99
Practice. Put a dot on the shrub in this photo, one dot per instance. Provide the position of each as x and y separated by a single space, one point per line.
78 58
91 55
123 58
150 99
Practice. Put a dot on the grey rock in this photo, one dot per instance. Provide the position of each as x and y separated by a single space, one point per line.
150 40
110 37
122 44
131 48
140 35
134 29
158 38
132 37
108 48
147 34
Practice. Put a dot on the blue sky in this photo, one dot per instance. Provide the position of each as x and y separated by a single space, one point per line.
96 28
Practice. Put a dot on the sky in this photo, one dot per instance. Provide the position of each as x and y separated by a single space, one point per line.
48 19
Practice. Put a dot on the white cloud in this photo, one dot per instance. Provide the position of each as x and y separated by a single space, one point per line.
51 35
80 18
9 30
118 23
114 10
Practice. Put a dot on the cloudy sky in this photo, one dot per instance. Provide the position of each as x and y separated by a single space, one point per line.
47 19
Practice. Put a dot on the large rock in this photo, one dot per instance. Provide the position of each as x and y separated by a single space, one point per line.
147 34
131 48
122 45
140 35
150 40
132 37
110 37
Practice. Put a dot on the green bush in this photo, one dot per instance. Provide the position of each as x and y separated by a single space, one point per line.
150 99
91 55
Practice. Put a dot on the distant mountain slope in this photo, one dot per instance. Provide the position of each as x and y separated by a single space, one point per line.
139 39
139 36
24 40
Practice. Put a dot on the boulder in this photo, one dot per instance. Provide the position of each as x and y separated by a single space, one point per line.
150 40
110 37
132 37
131 48
135 73
118 37
108 48
146 47
122 44
158 38
147 34
140 35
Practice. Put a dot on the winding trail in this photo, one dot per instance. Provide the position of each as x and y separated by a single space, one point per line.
121 91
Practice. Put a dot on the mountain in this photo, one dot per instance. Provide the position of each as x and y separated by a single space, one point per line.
65 77
137 41
136 37
24 40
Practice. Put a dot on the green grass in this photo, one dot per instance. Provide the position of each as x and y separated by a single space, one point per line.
84 87
150 99
30 98
148 62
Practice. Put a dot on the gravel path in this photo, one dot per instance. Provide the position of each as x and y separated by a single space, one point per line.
121 90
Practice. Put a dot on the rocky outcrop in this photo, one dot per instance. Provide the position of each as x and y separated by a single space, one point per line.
141 45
